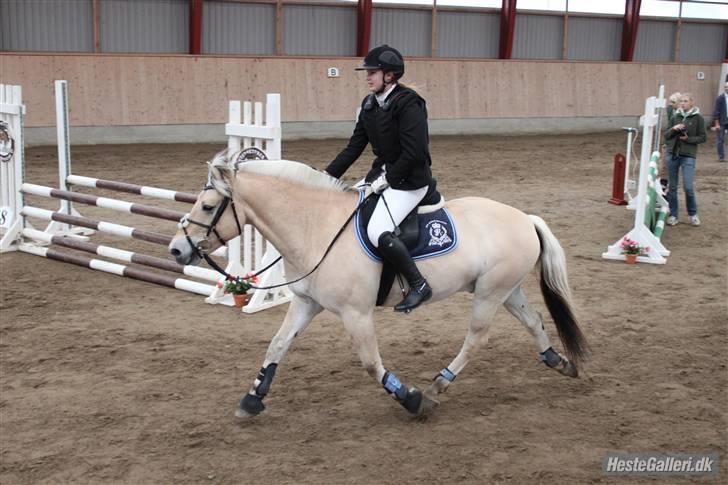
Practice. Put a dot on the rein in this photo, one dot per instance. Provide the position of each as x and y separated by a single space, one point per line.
202 246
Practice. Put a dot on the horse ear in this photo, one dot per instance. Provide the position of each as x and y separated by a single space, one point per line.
221 177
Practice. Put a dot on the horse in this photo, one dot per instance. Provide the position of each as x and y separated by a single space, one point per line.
299 210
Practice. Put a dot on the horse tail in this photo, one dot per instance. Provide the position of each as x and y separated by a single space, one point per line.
557 294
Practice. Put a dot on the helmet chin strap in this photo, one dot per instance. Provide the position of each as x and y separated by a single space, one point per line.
385 85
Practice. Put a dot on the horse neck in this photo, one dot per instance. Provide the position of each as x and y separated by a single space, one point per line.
300 221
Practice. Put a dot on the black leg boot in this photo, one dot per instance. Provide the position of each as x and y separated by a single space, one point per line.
396 253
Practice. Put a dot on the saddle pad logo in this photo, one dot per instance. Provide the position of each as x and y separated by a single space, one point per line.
438 233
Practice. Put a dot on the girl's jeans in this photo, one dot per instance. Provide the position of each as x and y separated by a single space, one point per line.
674 163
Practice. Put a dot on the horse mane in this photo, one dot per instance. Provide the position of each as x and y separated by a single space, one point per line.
225 162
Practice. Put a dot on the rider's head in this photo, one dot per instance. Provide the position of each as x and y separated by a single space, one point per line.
384 66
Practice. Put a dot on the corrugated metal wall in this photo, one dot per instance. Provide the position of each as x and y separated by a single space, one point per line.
461 34
238 28
162 26
41 25
655 41
316 30
410 31
538 37
703 42
597 39
145 25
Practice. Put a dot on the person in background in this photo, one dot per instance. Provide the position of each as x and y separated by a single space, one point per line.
686 132
672 106
720 121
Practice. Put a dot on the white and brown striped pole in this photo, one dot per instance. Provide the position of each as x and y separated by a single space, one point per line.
122 255
118 269
106 203
107 227
155 192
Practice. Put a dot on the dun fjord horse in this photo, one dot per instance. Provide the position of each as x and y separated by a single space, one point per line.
299 210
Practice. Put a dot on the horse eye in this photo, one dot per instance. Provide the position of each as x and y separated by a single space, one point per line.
207 208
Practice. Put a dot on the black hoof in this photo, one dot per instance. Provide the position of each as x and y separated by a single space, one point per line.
413 402
250 405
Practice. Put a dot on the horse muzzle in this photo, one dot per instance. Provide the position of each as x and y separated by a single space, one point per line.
184 253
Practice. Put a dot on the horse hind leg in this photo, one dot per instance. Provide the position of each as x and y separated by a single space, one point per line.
484 309
518 306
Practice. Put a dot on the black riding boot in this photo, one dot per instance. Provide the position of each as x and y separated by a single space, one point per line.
396 253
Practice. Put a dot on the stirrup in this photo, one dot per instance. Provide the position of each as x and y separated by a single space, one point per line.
414 298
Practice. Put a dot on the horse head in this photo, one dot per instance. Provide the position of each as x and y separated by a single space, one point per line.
213 219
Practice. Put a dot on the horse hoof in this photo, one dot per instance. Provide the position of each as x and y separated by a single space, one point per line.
429 404
241 413
413 402
568 369
250 406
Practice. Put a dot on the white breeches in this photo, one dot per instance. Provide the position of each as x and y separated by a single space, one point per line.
400 203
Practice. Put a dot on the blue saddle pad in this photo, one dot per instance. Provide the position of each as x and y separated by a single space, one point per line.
437 235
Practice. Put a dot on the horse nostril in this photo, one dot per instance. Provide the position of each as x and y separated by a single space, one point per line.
175 252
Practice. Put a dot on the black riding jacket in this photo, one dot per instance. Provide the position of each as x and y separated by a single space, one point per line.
399 137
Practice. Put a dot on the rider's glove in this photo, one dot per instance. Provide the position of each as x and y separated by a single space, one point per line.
380 184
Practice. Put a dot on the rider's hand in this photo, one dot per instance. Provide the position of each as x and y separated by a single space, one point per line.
380 184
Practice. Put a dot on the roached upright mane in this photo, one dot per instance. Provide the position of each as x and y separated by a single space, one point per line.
293 171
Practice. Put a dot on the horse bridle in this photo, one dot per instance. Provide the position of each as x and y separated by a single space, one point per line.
202 246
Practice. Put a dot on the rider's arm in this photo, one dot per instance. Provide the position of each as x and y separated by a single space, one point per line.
348 155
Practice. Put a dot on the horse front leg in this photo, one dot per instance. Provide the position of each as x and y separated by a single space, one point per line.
299 315
361 328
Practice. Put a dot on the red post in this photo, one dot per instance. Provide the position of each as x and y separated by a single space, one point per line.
629 29
363 27
507 28
620 165
196 8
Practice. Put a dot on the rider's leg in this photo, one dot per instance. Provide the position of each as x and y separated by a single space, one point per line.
391 210
396 253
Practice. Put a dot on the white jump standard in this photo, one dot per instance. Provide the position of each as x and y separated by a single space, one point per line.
651 207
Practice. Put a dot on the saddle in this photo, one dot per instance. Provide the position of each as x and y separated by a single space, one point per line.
427 231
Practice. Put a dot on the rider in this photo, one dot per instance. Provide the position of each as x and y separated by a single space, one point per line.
393 119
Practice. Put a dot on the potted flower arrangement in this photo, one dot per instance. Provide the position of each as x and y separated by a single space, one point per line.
239 287
631 249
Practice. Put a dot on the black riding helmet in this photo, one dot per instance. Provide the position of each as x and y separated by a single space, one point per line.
385 58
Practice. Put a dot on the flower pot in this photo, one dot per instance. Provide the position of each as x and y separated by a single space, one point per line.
630 258
241 300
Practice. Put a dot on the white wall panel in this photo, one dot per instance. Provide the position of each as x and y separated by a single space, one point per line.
317 30
145 26
655 41
409 31
703 42
594 39
42 25
467 34
538 37
238 28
